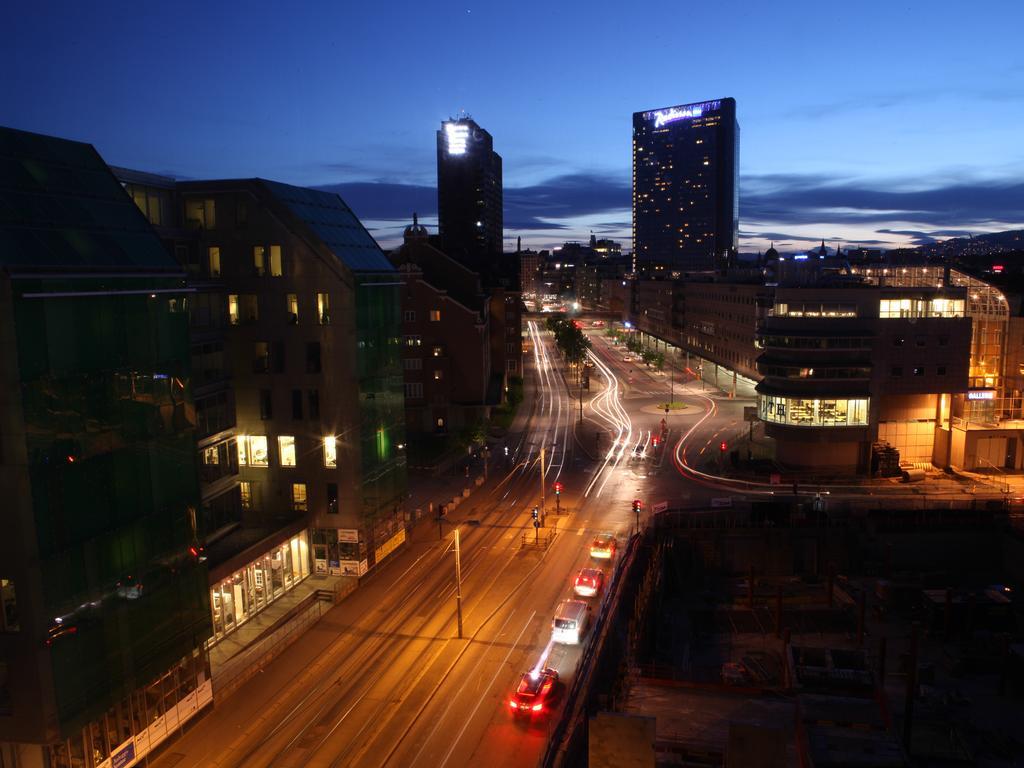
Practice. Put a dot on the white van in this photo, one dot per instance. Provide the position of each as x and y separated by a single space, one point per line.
570 622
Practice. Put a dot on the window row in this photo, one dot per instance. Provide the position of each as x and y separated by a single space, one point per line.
799 412
266 259
311 401
253 451
245 308
814 309
920 307
917 370
300 497
270 357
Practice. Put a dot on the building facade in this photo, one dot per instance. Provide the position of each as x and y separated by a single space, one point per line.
312 340
685 186
105 609
446 340
469 195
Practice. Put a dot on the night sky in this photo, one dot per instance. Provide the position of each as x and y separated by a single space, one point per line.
873 122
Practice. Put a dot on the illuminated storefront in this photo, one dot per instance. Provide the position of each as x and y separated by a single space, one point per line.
249 590
806 412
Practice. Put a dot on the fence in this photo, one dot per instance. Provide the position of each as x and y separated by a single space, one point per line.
247 663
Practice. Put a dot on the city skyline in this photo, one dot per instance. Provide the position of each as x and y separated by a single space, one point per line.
858 128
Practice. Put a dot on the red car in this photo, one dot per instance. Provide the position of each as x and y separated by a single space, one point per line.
535 693
588 582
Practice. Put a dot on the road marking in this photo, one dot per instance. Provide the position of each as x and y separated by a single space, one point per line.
579 532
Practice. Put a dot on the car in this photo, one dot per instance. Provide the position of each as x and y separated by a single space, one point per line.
537 690
603 546
589 582
627 359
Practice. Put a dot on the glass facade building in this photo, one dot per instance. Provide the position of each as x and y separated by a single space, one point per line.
685 186
98 465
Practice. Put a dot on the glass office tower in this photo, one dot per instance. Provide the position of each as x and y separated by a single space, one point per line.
685 186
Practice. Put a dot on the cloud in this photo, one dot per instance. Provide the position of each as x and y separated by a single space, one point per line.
546 205
809 199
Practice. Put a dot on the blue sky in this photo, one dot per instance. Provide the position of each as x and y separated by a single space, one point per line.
869 122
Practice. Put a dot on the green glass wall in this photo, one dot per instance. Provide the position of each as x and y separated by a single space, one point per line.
381 395
109 421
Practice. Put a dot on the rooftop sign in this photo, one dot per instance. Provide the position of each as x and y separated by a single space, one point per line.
456 137
682 112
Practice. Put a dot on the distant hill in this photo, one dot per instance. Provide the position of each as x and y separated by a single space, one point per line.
980 245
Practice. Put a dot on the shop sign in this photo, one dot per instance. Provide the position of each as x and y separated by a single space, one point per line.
336 568
123 758
390 545
321 567
981 394
348 536
353 567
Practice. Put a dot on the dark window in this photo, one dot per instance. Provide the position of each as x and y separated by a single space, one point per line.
897 341
9 620
277 357
897 370
314 404
261 357
943 341
919 371
921 341
313 357
332 498
941 370
266 405
296 403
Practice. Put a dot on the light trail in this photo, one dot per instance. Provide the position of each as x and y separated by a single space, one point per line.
608 408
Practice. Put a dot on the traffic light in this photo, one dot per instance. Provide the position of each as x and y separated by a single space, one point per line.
536 513
558 489
723 446
655 440
637 505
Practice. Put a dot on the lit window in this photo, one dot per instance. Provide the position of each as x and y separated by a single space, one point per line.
293 309
323 309
286 449
245 493
438 375
213 254
299 503
252 450
330 451
275 261
438 351
259 260
435 315
233 308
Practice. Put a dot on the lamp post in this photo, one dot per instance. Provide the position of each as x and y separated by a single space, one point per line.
543 514
458 581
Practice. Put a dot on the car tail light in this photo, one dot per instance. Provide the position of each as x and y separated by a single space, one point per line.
537 707
512 703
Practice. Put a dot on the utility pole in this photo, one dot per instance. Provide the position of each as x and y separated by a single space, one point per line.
543 514
458 581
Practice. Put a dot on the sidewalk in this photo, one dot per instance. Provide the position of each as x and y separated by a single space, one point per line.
270 617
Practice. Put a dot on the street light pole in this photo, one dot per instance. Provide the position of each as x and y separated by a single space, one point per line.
458 581
543 514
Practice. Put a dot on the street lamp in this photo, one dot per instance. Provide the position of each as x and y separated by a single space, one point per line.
458 582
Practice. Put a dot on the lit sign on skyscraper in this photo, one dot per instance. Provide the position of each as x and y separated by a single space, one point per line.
456 138
683 112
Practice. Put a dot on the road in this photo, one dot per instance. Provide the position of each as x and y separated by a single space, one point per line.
383 679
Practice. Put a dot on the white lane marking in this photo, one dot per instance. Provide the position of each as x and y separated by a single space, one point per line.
579 532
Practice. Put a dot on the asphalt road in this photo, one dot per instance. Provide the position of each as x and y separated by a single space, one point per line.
383 679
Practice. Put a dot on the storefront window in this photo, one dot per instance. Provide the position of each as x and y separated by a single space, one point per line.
840 412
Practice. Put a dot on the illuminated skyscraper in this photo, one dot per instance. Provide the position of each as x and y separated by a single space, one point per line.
469 196
685 185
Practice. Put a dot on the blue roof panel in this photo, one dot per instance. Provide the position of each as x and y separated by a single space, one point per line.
331 220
